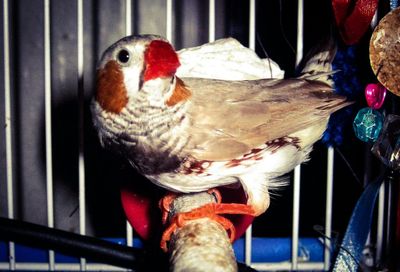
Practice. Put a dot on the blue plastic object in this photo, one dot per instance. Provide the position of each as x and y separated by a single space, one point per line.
263 250
280 249
353 243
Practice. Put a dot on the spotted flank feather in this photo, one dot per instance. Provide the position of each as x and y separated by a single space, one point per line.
262 159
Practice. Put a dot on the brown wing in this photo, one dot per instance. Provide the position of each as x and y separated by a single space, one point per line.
231 117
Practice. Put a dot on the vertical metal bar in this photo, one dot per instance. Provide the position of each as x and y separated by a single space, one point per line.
81 105
297 170
380 224
300 23
328 208
128 29
252 25
211 21
296 216
389 213
169 21
48 127
128 17
7 121
252 45
248 245
129 234
8 126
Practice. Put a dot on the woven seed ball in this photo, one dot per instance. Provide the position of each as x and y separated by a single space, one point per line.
384 51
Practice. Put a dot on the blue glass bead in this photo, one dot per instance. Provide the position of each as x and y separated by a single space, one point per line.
368 124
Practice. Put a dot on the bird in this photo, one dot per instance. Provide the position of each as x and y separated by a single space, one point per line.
189 134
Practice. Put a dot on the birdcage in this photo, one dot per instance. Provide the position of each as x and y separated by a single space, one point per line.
55 174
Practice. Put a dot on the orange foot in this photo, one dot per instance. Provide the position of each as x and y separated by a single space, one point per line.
210 210
165 205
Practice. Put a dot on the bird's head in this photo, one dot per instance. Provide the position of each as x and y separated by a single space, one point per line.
136 68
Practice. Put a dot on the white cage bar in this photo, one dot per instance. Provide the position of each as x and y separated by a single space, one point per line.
211 21
328 208
48 124
128 31
8 127
252 45
294 264
297 170
169 21
81 153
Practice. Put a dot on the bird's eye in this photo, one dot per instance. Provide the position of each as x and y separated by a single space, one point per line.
123 56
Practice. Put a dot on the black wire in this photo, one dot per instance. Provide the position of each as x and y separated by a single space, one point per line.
336 243
81 246
70 243
266 54
337 149
282 28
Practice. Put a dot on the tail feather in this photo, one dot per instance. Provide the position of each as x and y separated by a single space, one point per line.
317 65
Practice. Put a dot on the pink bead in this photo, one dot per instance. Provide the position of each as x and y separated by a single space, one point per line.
375 94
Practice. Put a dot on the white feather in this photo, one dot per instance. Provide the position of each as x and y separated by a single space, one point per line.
226 59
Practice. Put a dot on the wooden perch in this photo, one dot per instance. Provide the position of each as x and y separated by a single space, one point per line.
201 244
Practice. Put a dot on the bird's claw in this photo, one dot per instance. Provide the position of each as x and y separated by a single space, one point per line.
165 205
210 210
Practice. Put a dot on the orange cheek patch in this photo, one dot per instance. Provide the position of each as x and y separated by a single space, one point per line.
111 93
181 93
